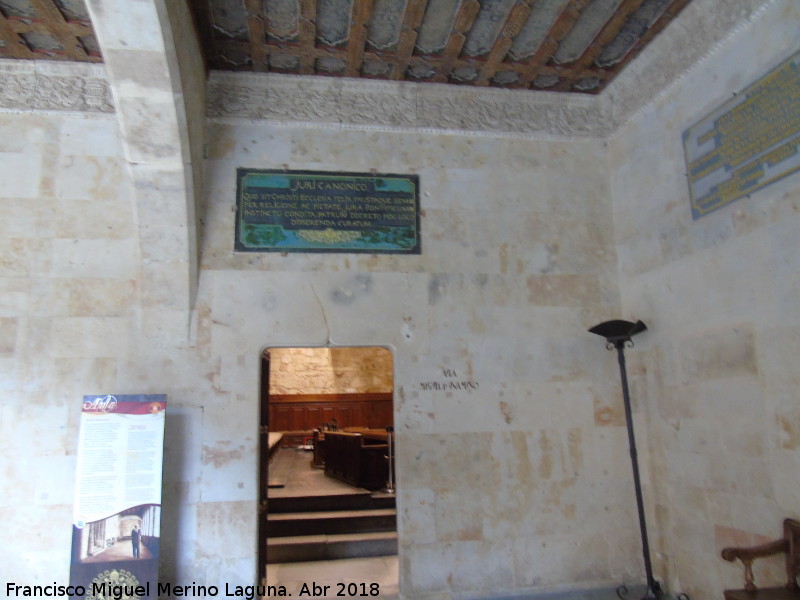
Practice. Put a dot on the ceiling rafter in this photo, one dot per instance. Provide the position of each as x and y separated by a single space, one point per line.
415 10
14 47
674 8
61 31
46 21
565 22
519 14
465 18
257 35
358 38
287 36
603 37
308 36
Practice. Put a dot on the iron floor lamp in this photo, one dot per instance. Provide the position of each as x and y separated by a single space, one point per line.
618 333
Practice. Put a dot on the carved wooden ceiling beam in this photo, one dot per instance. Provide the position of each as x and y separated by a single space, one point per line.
14 47
465 18
61 31
511 29
308 36
415 10
565 22
257 35
593 50
675 7
357 38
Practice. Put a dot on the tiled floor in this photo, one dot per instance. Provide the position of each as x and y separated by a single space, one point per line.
346 578
291 469
350 578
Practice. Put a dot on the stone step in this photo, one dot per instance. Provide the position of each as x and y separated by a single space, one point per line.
330 522
305 548
353 501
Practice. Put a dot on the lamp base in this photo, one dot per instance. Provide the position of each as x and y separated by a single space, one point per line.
654 592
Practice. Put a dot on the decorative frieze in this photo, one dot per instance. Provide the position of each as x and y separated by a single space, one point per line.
51 85
372 104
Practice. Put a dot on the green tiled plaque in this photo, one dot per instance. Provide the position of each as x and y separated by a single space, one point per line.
315 211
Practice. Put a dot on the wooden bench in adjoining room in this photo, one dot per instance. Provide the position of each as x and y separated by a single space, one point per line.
357 458
789 545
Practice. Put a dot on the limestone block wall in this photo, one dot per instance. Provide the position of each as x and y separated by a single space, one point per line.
516 477
331 370
717 383
69 267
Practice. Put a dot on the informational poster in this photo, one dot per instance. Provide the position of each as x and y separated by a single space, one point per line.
117 514
316 211
747 143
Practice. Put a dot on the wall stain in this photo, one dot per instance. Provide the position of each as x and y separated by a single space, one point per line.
359 286
219 455
546 456
436 286
506 410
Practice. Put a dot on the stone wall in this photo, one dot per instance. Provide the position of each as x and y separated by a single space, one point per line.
716 374
330 371
515 476
509 433
68 298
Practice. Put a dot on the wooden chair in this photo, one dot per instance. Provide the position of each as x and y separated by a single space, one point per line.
789 545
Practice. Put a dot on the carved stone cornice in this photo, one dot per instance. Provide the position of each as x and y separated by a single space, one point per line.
54 86
396 106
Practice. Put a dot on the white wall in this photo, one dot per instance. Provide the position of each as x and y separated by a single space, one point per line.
718 392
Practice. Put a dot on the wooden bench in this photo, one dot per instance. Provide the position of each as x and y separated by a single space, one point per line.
789 545
356 458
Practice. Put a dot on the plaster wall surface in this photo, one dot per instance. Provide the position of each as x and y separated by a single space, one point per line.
717 395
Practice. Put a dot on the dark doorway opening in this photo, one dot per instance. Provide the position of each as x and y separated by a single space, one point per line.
326 455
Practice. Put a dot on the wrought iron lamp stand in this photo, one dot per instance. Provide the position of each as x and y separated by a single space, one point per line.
618 333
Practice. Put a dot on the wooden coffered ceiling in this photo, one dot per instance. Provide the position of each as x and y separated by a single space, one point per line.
561 45
49 29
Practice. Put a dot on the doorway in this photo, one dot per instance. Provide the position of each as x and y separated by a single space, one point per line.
326 458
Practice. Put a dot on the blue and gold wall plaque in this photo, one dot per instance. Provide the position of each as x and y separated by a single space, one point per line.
747 143
316 211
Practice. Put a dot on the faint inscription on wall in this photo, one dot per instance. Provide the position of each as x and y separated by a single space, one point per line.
450 381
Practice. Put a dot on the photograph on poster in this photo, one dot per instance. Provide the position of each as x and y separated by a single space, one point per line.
131 534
